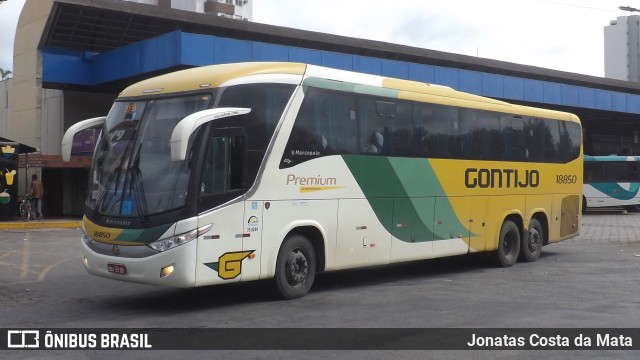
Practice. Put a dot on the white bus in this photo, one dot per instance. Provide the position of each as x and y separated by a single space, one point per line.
252 171
611 181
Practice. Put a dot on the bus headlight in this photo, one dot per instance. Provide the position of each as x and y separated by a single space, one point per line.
85 237
177 240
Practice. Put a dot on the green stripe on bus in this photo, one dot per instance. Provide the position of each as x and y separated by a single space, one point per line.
349 87
402 192
616 191
146 236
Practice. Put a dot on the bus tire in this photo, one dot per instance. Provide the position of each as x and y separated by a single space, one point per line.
508 244
532 242
632 208
295 267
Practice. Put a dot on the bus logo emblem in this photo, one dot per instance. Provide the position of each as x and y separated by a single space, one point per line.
229 265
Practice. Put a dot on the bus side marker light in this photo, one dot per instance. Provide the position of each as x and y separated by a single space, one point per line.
252 256
166 271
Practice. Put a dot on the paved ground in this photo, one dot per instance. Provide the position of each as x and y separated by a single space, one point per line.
587 282
613 226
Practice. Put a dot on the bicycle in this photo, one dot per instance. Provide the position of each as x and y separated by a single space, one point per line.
26 212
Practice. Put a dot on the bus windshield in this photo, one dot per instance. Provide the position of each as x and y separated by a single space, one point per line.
133 174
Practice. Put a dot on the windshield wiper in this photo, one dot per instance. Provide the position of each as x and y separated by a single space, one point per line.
100 206
99 203
136 186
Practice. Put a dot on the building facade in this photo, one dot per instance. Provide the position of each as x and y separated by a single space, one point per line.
233 9
73 57
622 49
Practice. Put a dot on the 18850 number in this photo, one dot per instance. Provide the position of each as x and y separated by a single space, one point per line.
566 179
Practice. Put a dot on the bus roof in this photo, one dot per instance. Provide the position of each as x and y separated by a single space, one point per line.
213 76
208 76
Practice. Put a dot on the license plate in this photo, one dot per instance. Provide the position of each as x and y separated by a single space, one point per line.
116 268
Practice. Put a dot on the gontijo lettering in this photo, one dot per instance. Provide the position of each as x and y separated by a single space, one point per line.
500 178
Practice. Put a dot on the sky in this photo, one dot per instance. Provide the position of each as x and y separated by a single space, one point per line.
566 35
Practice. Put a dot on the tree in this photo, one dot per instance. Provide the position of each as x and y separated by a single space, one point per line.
4 73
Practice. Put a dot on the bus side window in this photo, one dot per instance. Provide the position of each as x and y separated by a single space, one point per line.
543 140
223 165
569 140
588 172
423 127
214 178
325 125
513 138
446 135
403 135
632 171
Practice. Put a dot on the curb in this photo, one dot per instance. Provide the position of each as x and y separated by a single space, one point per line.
41 225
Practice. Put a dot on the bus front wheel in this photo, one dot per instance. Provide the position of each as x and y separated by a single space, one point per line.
295 267
532 242
508 244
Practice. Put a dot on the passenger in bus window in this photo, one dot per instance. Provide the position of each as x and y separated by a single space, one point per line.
421 142
374 143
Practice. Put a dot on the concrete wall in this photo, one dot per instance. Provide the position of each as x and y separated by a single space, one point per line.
189 5
5 113
52 115
27 118
84 105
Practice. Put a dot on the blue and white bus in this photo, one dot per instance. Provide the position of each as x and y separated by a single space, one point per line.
611 181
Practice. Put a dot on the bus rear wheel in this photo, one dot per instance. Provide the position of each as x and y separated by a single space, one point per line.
632 208
295 267
508 244
532 242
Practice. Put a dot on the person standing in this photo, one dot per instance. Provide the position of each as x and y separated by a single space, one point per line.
36 194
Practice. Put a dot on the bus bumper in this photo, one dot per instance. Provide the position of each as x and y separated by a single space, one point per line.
173 268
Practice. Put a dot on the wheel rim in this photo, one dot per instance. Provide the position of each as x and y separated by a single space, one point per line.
509 244
24 213
296 268
535 240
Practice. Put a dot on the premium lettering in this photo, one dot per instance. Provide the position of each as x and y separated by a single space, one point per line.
500 178
311 181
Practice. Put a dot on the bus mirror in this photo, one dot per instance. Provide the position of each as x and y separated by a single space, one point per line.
188 125
67 139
